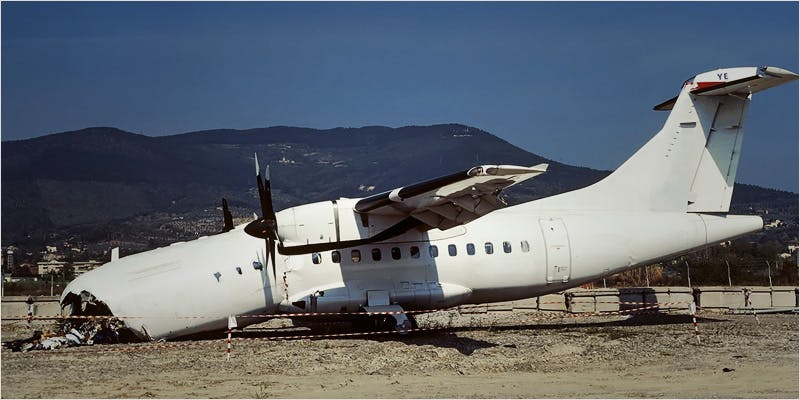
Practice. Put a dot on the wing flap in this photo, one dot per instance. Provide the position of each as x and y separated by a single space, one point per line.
453 199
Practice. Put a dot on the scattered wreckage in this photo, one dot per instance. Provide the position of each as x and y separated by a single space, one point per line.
73 333
87 322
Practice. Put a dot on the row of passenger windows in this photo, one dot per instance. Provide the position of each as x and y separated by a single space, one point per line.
413 252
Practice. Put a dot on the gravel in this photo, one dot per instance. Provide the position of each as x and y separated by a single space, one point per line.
471 355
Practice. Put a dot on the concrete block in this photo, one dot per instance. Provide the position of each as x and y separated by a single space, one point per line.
606 300
524 305
606 304
631 295
552 302
784 296
593 300
681 295
581 301
582 305
504 306
472 309
760 297
650 297
721 297
14 306
660 295
14 309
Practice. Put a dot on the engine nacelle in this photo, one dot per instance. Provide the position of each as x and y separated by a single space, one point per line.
328 223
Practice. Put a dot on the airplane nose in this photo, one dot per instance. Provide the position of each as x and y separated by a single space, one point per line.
178 290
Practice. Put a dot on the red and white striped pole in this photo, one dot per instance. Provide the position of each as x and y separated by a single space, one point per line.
693 311
228 353
748 303
231 325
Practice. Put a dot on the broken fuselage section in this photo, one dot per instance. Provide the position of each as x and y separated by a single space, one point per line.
182 289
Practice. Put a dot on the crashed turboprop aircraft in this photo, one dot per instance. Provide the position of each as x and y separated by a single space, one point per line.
449 241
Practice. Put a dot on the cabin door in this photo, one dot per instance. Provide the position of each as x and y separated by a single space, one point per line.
556 242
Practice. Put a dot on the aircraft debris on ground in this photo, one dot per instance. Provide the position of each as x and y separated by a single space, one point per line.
71 334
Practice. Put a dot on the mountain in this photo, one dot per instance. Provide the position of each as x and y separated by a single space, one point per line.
105 183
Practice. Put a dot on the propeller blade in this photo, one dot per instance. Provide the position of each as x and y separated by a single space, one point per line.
227 217
265 227
261 200
264 192
271 247
266 197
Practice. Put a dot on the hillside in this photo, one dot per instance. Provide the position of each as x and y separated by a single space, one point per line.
101 185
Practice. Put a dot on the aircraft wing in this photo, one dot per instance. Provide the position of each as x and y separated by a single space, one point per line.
450 200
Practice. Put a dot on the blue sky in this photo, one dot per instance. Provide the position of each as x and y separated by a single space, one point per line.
574 82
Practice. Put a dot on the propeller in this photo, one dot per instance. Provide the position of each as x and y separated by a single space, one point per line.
265 227
226 216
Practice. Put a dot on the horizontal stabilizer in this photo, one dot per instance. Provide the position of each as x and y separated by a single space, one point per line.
742 81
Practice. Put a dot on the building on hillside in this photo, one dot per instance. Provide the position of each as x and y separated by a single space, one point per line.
8 265
82 267
51 266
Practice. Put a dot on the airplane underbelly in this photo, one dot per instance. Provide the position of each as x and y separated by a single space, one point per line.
347 288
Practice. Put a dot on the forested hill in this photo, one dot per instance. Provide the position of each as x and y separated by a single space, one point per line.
104 181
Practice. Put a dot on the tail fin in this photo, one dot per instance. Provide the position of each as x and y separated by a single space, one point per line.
690 165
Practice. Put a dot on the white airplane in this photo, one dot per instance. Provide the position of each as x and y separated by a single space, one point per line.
448 241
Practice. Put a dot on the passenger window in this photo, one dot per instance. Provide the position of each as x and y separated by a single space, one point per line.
525 246
355 255
470 249
395 253
376 254
316 258
451 249
488 247
414 252
506 247
336 257
434 251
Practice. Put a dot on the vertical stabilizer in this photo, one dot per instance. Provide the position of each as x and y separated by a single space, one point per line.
731 90
712 184
690 165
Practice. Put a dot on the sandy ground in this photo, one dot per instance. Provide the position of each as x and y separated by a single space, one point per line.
493 355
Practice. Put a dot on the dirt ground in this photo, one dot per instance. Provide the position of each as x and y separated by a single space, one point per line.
508 355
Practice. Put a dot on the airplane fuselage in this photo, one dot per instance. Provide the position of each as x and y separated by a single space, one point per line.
449 240
536 252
